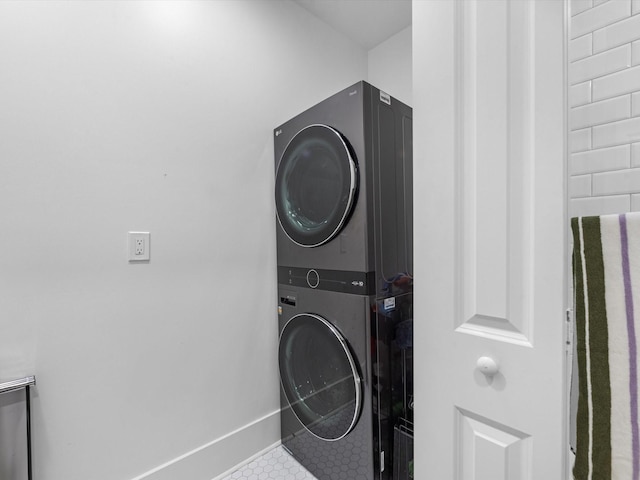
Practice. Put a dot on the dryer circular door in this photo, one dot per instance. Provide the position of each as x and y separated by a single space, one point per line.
316 183
319 376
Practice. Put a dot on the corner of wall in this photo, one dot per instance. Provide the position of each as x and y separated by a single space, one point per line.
390 66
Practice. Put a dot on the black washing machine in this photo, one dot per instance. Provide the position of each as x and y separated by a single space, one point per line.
343 193
340 399
343 198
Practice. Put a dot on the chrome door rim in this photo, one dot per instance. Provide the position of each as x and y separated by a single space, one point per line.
354 372
352 186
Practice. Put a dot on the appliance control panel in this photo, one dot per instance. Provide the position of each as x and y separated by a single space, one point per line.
359 283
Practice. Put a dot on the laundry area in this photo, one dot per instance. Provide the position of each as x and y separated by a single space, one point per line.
319 239
155 122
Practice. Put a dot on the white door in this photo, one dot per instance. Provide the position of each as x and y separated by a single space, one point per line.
489 130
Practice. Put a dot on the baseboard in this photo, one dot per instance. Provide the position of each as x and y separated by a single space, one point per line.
222 455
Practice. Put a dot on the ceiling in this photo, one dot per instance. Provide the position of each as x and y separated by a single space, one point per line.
367 22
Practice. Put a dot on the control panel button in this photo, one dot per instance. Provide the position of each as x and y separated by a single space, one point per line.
313 279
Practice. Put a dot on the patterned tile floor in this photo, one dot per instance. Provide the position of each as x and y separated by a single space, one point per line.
276 464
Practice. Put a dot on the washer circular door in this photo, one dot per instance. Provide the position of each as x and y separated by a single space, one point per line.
316 184
319 376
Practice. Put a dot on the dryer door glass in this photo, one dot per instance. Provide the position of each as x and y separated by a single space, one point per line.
319 376
316 184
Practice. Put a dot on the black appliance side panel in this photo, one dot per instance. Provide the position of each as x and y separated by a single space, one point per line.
370 146
407 155
388 194
392 374
393 195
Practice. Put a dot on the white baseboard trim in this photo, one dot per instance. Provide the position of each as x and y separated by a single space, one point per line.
224 454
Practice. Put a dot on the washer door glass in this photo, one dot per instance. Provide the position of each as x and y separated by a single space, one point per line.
319 376
315 185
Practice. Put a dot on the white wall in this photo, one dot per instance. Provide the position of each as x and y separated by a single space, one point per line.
151 116
605 98
390 66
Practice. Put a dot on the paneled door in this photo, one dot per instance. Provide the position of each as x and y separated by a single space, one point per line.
490 229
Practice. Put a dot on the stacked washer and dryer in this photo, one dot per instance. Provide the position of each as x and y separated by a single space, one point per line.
343 197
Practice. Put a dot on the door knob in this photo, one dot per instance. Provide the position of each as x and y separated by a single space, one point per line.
488 366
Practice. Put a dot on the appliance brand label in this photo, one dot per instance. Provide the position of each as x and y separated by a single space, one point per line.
278 132
390 303
385 97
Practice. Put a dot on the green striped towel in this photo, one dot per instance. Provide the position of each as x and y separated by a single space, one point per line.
606 265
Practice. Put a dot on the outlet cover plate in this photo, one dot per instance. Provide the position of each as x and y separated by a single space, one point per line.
138 246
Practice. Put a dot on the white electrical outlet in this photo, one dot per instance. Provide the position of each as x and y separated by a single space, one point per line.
138 246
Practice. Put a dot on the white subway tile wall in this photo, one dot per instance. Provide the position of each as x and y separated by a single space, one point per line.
580 140
617 83
635 155
580 94
616 133
580 186
581 207
601 160
616 183
581 47
604 74
619 33
579 6
600 64
599 16
635 104
597 113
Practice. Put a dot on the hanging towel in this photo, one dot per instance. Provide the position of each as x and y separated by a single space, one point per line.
606 266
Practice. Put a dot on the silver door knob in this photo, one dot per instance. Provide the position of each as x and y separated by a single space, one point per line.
488 366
